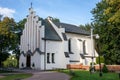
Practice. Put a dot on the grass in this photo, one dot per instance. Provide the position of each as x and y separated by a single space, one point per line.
16 76
10 75
85 75
3 71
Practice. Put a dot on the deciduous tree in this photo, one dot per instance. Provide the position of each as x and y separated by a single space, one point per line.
107 24
7 37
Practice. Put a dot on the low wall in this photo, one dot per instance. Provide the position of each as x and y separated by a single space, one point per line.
85 67
110 67
74 66
77 66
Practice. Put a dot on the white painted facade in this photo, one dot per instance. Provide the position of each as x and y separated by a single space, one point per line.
36 50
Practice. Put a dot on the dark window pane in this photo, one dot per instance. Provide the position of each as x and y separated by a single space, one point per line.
53 57
84 47
69 45
48 57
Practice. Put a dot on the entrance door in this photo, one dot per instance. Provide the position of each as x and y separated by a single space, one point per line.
28 61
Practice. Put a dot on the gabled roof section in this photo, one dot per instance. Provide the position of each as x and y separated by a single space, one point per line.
50 33
72 28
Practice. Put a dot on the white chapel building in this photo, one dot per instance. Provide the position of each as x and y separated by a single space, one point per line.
46 44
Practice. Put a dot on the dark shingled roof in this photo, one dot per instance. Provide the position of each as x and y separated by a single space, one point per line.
50 33
72 28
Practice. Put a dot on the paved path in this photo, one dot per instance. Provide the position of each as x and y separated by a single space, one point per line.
1 76
48 76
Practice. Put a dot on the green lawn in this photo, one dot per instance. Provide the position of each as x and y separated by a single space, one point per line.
16 76
85 75
3 71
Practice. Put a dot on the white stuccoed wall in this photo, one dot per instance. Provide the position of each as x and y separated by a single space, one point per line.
42 46
32 38
36 59
77 50
66 50
57 48
22 59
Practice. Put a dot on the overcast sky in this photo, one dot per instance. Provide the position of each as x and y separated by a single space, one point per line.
68 11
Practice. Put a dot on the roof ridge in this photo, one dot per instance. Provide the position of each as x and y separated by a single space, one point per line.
66 24
71 28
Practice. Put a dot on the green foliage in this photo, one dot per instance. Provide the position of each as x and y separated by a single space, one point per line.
85 75
16 76
101 59
4 56
10 62
72 73
20 25
55 20
93 63
7 37
92 68
86 27
107 24
105 69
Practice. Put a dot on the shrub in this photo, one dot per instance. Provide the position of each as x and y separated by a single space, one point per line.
101 59
105 69
92 68
93 63
72 73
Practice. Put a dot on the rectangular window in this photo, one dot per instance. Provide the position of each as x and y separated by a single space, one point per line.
53 57
81 46
84 47
48 57
69 45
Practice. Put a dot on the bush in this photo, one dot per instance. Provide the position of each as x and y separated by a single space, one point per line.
11 61
101 59
105 69
92 68
72 73
93 63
